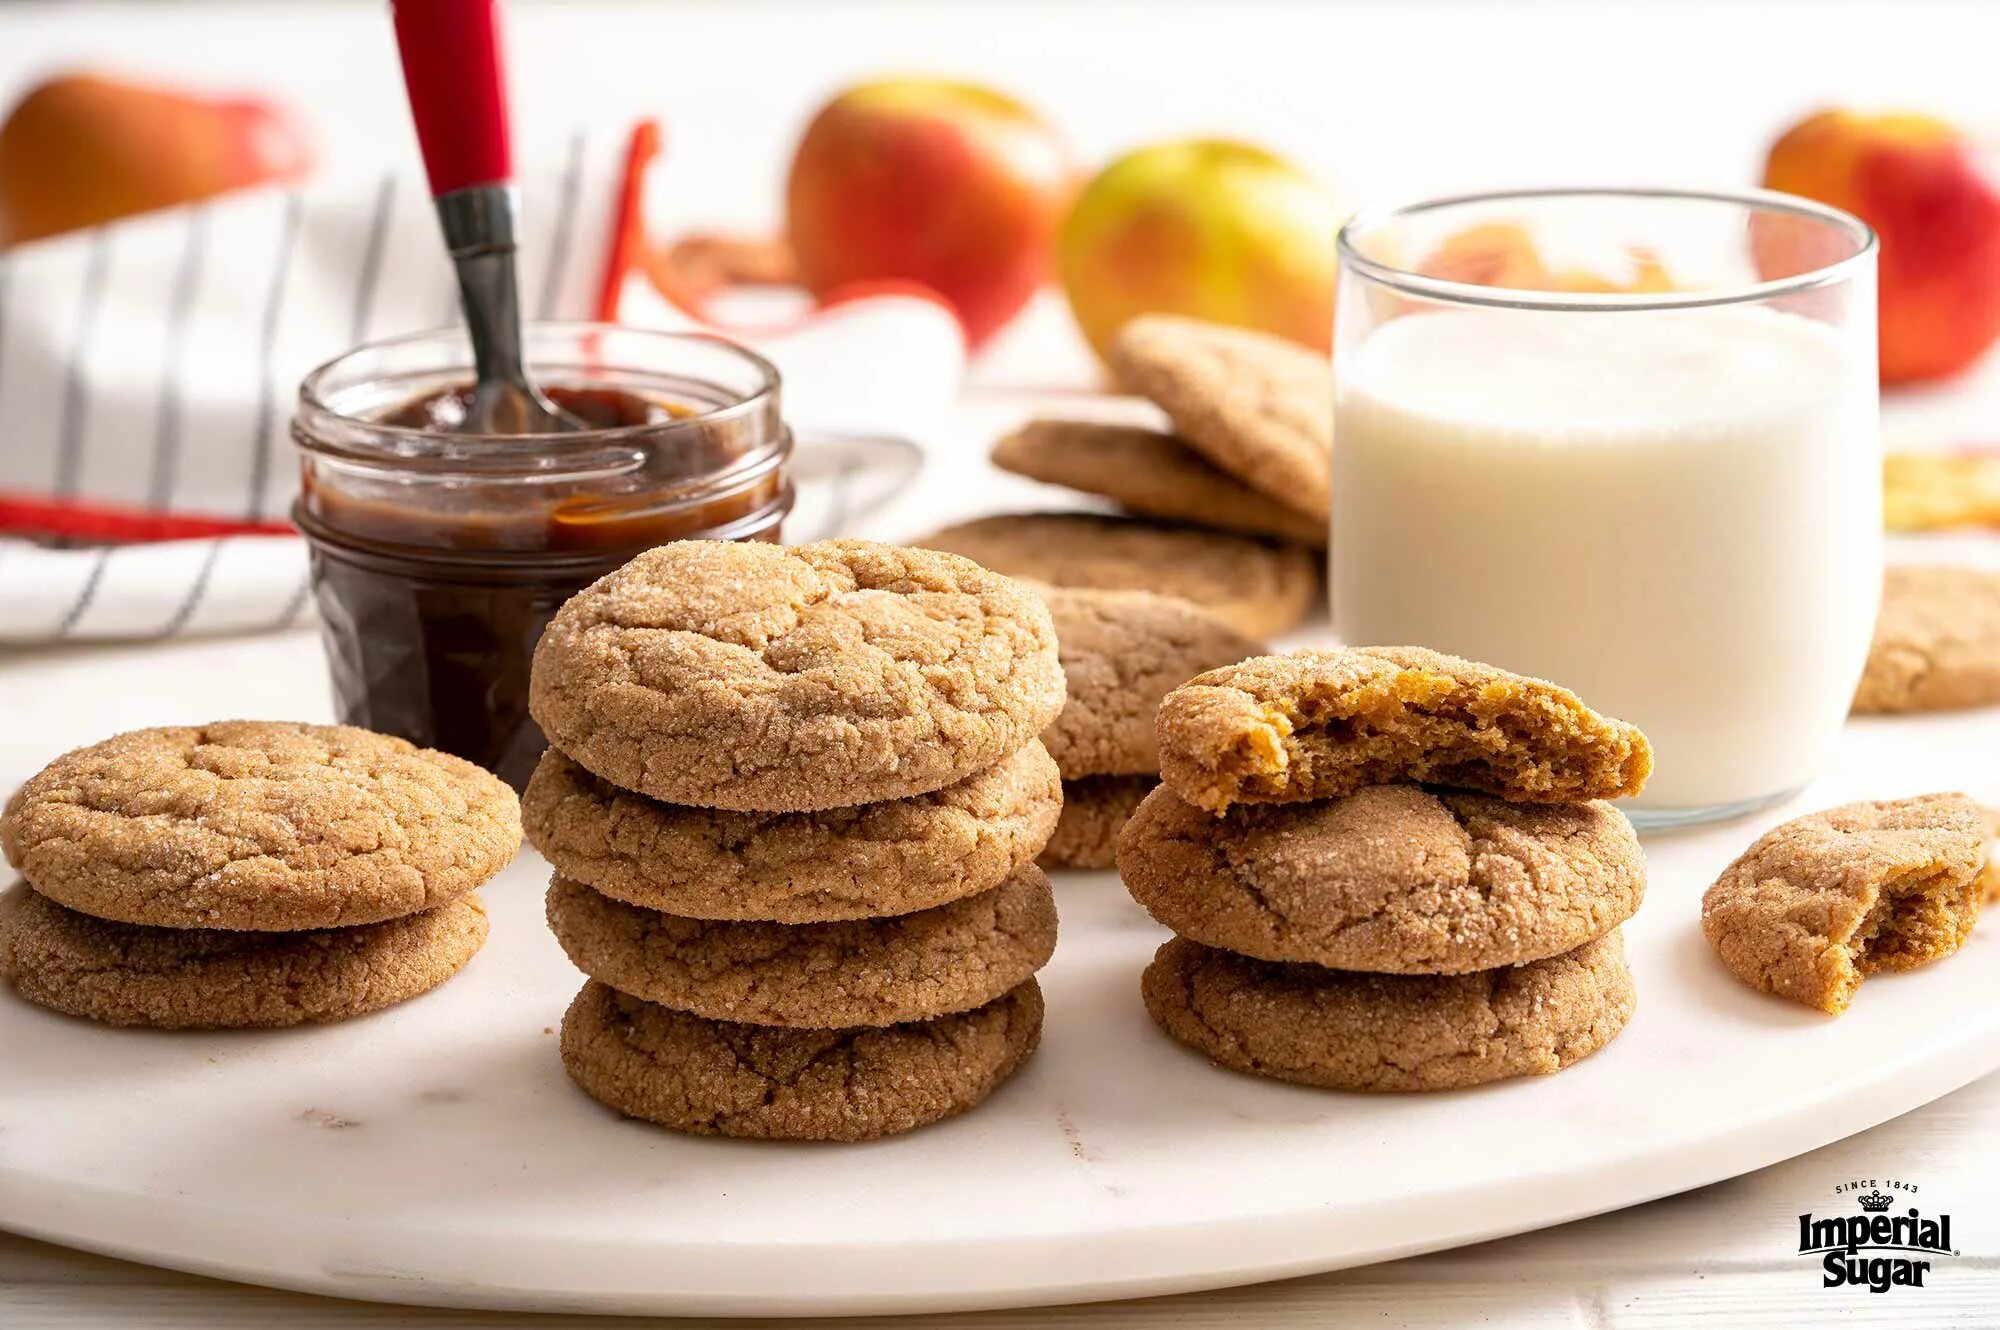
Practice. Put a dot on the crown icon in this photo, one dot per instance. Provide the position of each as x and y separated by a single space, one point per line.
1875 1202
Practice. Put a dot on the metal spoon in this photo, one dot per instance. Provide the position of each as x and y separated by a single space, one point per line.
452 69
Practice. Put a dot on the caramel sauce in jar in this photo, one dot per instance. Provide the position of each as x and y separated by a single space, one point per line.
438 557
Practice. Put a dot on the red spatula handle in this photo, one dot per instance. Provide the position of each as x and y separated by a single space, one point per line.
458 90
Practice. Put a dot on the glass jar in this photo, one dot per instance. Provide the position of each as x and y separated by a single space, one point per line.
438 557
1626 440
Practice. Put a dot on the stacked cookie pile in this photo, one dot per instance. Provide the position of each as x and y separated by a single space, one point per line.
1121 651
1228 509
793 802
248 874
1389 869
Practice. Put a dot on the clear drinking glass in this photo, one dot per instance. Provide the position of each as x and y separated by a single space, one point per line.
1626 440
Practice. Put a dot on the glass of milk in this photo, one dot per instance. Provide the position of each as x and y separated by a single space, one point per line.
1624 440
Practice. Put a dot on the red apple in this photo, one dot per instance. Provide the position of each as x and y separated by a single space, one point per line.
1209 229
1935 207
81 149
951 185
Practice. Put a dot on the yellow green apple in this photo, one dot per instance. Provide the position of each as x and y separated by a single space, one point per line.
1207 228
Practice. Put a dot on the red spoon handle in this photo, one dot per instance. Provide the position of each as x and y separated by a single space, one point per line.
458 92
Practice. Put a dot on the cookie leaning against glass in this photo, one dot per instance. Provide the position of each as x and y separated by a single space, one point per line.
1389 869
793 800
248 873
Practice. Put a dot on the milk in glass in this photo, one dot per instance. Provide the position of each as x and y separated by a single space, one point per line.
1674 512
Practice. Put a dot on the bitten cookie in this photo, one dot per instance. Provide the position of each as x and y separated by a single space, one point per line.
1258 587
259 825
796 868
1122 651
1321 724
814 976
1094 808
1937 641
1392 878
1346 1031
720 1078
211 979
1257 406
741 675
1823 901
1150 473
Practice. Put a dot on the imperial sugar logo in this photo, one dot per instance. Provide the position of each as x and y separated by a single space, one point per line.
1878 1240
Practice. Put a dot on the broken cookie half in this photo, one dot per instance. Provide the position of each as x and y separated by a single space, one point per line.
1322 724
1825 900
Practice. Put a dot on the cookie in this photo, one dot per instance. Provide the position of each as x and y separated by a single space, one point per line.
1150 473
215 979
1393 878
1122 651
1093 810
814 976
1937 641
1823 901
721 1078
762 678
874 859
1258 406
1258 587
1321 724
259 825
1929 491
1393 1032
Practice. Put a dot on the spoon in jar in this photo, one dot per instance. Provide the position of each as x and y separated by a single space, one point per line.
458 98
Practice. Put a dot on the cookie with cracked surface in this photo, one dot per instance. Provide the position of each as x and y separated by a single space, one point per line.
814 976
1937 641
1390 1032
1321 724
1258 406
721 1078
1093 809
1823 901
1258 587
860 862
259 825
215 979
768 678
1151 473
1392 879
1122 651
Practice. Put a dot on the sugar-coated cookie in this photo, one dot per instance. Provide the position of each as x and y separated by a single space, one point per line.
1390 1032
1392 878
260 825
814 976
721 1078
766 678
212 979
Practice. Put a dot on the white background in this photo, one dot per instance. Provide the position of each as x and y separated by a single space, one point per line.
1394 101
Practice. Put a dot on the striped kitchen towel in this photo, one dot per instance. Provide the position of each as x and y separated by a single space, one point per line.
148 368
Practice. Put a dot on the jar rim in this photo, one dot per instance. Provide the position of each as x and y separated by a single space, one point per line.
1410 282
313 395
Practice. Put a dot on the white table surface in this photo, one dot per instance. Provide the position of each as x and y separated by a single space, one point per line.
1395 100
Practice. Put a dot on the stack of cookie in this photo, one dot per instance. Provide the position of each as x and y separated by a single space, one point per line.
1230 507
793 802
1122 651
248 874
1389 869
